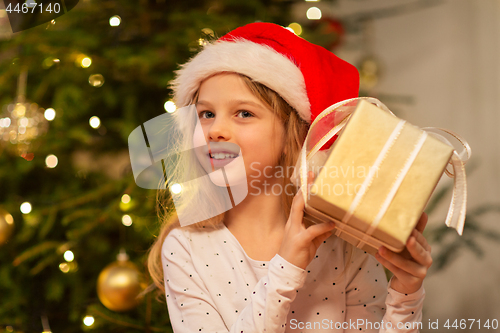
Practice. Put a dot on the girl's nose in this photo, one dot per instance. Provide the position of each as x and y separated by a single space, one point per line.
219 129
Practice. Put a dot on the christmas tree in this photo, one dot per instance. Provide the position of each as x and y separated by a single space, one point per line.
74 226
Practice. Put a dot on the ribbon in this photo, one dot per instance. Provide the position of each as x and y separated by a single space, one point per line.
456 213
395 186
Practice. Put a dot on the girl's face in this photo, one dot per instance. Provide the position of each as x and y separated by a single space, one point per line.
231 117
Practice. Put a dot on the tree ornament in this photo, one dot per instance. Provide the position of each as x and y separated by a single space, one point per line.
21 121
369 72
119 284
6 226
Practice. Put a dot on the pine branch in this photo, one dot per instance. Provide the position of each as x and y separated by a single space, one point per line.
87 227
79 214
107 189
47 226
44 263
35 251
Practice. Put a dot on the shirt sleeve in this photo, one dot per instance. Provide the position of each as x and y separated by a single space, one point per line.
404 310
373 306
192 309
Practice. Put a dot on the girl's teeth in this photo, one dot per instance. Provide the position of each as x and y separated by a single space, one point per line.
221 156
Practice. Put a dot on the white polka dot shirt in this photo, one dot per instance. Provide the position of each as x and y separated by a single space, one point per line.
211 285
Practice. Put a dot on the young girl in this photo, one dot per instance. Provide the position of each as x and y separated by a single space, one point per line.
257 267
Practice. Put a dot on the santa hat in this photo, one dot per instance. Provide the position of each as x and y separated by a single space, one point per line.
307 76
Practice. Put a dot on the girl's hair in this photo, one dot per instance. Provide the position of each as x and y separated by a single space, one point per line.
295 133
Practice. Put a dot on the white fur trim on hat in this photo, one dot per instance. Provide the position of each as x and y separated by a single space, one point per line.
257 61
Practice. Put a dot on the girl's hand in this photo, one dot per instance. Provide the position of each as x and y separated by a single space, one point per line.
299 244
411 265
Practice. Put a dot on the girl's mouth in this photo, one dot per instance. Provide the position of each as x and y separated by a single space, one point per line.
219 160
221 156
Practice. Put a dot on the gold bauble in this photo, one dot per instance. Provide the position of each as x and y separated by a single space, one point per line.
369 72
118 285
6 226
21 123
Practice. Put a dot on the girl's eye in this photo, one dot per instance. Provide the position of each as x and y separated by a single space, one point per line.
207 113
245 114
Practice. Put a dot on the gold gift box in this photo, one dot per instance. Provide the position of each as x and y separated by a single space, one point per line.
397 164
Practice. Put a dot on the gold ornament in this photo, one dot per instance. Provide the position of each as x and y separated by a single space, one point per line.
6 226
96 80
369 72
21 122
118 285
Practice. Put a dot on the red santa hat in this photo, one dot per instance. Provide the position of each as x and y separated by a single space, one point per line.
307 76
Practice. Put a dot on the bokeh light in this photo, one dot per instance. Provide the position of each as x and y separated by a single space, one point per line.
68 256
88 321
64 267
49 114
86 62
170 106
51 161
5 122
23 122
95 122
115 21
297 28
25 208
313 13
176 188
126 220
126 198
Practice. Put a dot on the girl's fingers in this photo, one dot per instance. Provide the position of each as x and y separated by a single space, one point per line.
408 266
421 240
401 274
419 252
403 281
316 230
420 260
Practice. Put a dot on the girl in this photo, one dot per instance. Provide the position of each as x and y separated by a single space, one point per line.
257 267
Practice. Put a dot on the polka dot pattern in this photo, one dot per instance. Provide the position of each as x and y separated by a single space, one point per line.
212 286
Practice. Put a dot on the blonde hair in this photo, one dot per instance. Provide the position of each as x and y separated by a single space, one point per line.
295 131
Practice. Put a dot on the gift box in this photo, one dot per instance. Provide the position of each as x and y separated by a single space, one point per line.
377 179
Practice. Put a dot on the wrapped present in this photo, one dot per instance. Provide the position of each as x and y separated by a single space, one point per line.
376 179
